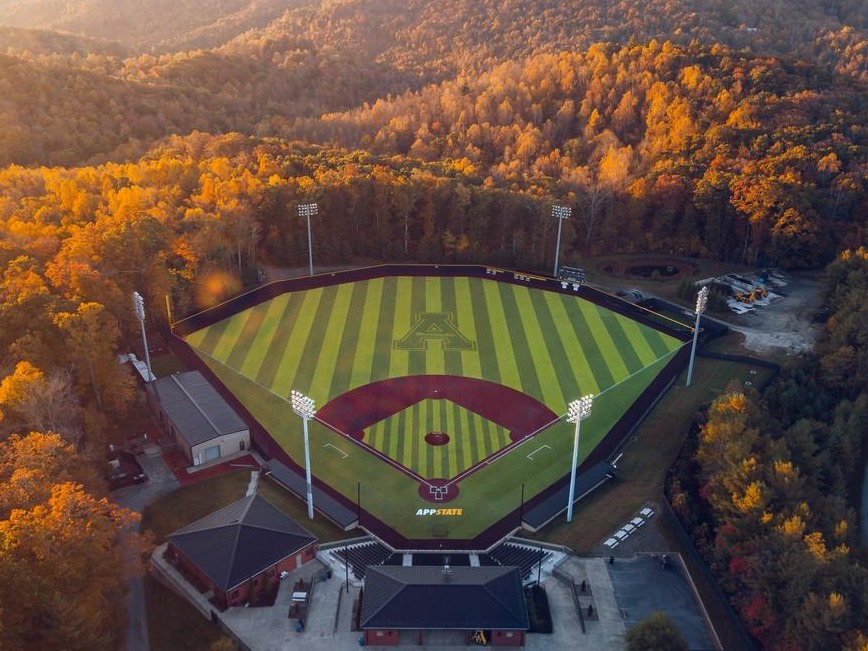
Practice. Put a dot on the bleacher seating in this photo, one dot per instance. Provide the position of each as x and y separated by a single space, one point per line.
362 555
521 556
486 560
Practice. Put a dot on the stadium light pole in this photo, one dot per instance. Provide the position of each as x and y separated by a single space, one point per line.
561 213
308 210
578 411
139 309
304 407
701 303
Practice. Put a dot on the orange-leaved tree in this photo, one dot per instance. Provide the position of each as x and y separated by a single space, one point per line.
64 551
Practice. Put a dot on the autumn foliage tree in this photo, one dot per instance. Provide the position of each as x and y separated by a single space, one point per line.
775 477
63 549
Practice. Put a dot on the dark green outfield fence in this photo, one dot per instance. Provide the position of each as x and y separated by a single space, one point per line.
538 507
277 288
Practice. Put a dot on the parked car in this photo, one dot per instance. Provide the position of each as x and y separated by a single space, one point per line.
122 469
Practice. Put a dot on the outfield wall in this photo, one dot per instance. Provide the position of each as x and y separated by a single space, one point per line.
605 450
277 288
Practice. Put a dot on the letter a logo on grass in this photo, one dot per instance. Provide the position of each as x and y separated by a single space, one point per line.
439 326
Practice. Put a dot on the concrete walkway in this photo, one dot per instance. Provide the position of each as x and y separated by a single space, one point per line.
604 629
328 623
254 482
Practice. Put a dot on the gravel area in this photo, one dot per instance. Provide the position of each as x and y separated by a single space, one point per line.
786 325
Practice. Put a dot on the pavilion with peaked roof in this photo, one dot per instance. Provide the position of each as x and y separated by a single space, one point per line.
485 603
240 549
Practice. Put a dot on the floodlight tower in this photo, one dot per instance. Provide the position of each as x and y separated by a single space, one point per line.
701 303
139 309
308 210
578 411
561 213
304 407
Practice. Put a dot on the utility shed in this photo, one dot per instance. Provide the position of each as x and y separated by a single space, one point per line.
204 426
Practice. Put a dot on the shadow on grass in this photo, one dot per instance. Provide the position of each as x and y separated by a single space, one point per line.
175 625
188 504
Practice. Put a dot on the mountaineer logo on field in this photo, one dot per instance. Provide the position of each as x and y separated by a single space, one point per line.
439 326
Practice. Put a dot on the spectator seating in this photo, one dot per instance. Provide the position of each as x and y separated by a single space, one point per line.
362 555
522 556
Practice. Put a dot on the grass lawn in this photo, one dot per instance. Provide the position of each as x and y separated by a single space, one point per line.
188 504
163 365
295 508
175 625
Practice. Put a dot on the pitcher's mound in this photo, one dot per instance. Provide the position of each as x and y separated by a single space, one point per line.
436 438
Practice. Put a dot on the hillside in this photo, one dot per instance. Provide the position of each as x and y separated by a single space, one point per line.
152 25
437 40
92 101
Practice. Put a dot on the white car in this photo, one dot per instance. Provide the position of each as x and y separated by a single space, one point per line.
621 534
637 522
646 512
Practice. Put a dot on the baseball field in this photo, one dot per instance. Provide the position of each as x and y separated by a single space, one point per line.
455 382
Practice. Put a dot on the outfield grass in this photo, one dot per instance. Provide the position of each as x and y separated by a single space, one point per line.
551 346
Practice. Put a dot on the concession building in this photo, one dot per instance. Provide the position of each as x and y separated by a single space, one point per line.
240 549
407 604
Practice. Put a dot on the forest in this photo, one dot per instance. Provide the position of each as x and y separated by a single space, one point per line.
767 485
171 161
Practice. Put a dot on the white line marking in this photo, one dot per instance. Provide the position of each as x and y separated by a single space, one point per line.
329 445
542 447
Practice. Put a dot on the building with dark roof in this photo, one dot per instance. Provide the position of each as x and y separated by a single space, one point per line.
240 549
482 602
204 426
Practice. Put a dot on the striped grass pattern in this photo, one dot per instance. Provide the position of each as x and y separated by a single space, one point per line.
326 341
554 347
402 438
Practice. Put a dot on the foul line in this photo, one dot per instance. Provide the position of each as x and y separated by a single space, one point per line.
517 444
403 469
